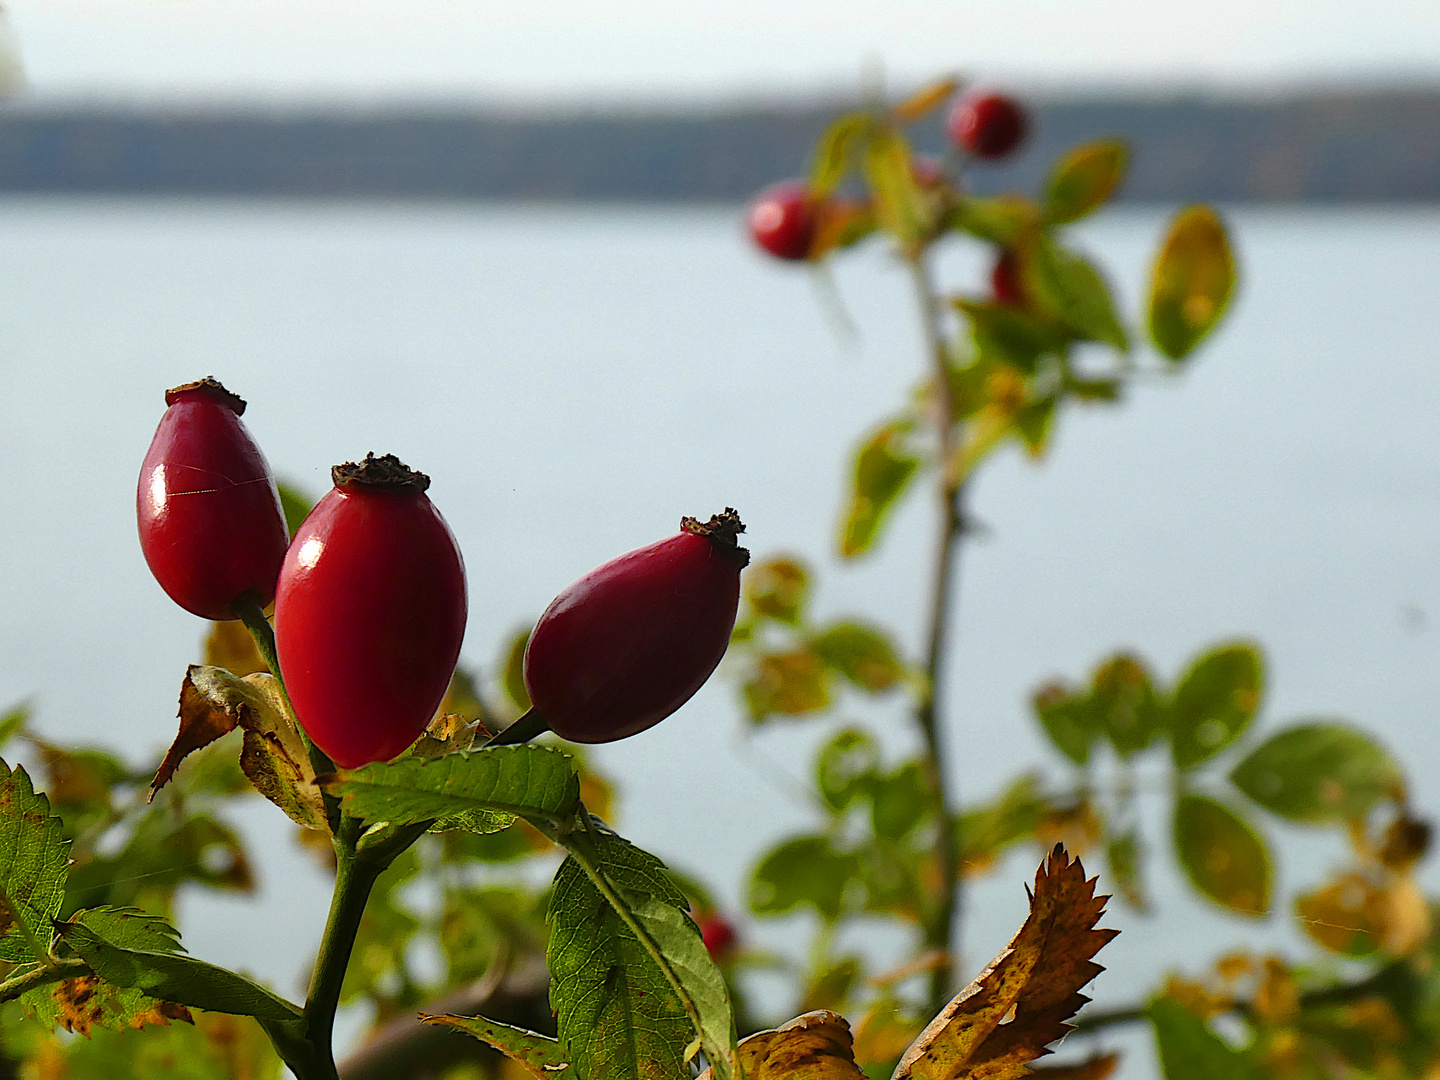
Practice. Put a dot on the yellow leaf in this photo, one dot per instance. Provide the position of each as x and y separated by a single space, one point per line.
229 645
815 1046
924 100
1019 1004
1191 282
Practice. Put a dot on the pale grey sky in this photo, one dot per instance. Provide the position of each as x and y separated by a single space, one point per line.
577 51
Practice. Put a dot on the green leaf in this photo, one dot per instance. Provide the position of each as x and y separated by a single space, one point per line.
1225 858
33 857
539 1055
1035 422
862 654
172 977
13 722
294 504
777 589
836 151
514 682
1002 219
1067 719
899 801
1189 1050
86 1002
1191 283
1009 333
1072 288
985 832
805 870
1215 702
1125 854
846 767
884 468
1084 179
790 683
899 205
618 1014
479 790
1322 771
1125 704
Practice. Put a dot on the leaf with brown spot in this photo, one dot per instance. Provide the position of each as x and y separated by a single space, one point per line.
33 866
815 1046
1020 1003
539 1055
213 702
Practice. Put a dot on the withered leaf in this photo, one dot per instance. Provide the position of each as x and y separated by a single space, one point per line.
213 702
1019 1004
1095 1068
815 1046
84 1003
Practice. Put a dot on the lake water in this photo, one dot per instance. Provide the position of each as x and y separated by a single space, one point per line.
574 380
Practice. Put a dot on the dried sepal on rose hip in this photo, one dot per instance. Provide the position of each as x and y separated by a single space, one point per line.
210 521
631 641
370 612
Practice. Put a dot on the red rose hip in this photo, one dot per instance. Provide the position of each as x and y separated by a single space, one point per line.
783 219
370 613
210 521
631 641
987 125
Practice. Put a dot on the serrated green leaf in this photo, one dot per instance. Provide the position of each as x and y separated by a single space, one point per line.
479 790
618 1013
1191 283
539 1055
1067 719
862 654
1074 291
33 856
803 871
884 468
846 767
1225 858
85 1002
1189 1050
172 977
1322 771
1214 702
1084 179
836 151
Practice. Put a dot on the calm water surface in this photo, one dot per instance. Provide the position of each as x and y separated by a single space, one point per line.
574 380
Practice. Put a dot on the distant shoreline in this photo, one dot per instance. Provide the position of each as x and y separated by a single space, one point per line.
1378 146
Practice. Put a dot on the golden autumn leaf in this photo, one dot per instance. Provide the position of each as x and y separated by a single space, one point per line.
1020 1004
815 1046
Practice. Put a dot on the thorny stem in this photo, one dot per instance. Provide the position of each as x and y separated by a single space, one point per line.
940 934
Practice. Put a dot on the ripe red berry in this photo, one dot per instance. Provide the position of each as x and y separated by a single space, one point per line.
1005 278
631 641
211 526
370 612
987 125
783 220
718 935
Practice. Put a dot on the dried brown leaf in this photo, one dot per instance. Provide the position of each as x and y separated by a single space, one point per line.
213 702
1019 1004
815 1046
1095 1068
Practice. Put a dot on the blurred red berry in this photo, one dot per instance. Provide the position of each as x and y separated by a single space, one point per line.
1005 278
718 935
926 171
782 219
987 125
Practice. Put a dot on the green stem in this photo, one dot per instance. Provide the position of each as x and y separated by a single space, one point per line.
16 985
940 933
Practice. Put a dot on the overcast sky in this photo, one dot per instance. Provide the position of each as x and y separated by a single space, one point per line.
582 51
